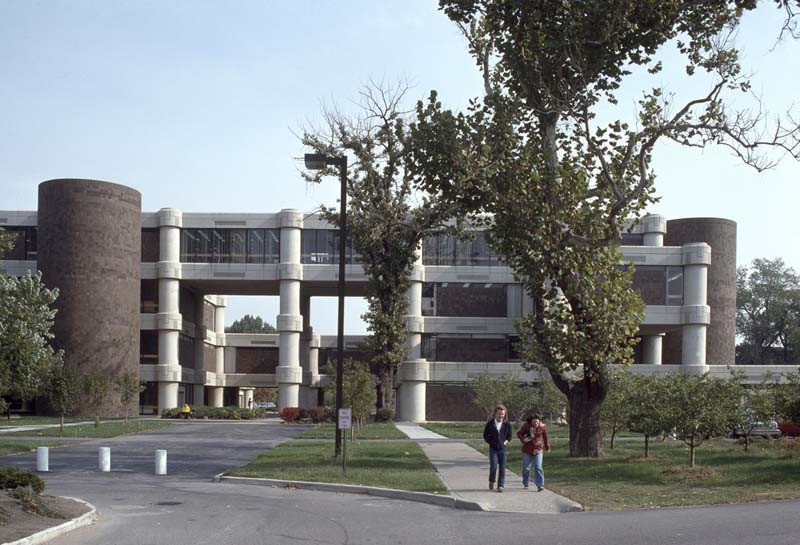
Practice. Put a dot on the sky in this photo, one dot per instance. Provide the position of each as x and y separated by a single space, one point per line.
197 105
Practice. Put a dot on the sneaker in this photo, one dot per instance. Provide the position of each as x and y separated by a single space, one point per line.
525 487
539 488
499 488
491 486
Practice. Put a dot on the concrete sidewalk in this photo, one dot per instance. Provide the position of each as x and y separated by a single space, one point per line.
465 471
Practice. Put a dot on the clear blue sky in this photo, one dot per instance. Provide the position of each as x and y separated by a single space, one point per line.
194 103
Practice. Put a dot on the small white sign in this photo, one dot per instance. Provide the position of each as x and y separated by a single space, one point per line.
345 418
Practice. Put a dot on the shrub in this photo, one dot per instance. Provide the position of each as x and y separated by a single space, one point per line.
11 478
384 415
290 414
304 414
217 413
321 414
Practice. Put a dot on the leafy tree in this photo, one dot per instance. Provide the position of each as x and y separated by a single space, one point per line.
250 324
64 388
358 388
6 241
616 409
26 320
519 399
767 308
387 217
95 386
646 411
786 395
555 185
128 387
699 407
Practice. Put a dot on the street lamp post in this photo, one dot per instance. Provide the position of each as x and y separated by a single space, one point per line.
319 161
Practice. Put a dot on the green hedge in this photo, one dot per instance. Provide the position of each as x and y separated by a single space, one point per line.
217 413
12 478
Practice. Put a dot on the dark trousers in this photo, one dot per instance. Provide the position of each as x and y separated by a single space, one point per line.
497 460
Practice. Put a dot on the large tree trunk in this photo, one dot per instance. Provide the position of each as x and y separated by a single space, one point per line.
585 434
584 400
386 389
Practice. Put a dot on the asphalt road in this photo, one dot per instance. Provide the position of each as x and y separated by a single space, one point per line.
139 508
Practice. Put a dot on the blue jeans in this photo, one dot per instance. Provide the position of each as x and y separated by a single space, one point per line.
497 459
538 472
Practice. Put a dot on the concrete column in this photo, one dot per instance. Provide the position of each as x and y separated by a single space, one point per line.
695 313
305 339
199 394
651 349
169 319
217 392
414 372
248 397
199 350
654 227
413 377
289 374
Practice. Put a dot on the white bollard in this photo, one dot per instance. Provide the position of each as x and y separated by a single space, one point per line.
42 459
161 462
104 459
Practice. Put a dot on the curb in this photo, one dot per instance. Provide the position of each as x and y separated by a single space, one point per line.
56 531
421 497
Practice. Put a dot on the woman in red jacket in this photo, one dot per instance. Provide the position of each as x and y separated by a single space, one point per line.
533 435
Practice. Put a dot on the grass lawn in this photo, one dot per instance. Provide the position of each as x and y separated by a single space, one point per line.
375 430
14 446
623 478
37 420
398 464
109 429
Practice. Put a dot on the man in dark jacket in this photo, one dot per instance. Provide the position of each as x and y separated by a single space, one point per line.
497 434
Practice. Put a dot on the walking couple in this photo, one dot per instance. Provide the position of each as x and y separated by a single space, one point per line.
533 434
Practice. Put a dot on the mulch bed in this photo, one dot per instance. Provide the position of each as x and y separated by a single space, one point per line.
15 523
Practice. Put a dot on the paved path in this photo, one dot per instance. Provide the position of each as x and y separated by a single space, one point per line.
466 473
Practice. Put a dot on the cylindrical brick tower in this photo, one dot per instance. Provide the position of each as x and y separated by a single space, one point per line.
720 234
89 248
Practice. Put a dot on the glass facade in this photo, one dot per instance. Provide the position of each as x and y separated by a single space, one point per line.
24 248
674 286
445 249
321 247
230 245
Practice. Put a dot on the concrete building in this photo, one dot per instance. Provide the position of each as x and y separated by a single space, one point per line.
162 277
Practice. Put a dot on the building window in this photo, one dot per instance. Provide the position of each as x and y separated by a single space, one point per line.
230 245
674 286
24 244
151 245
148 347
443 249
321 247
149 297
632 239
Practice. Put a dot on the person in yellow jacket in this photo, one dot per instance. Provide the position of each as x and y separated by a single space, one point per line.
186 411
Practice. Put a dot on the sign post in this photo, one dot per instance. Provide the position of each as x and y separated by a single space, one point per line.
345 422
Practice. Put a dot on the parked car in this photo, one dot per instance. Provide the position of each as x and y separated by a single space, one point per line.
760 429
791 429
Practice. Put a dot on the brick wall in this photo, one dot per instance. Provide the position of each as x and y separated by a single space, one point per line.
475 300
451 402
467 349
651 284
256 360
